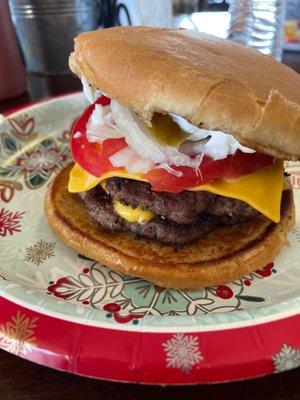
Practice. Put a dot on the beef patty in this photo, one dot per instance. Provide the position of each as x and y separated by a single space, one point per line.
181 217
184 207
100 208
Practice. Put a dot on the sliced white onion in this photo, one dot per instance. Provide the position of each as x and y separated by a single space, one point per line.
116 121
217 145
87 90
220 145
141 165
192 148
122 157
97 94
106 133
171 171
131 161
135 133
178 158
99 114
100 125
187 126
91 94
139 138
200 135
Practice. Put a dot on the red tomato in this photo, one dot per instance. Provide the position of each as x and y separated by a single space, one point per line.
231 167
93 157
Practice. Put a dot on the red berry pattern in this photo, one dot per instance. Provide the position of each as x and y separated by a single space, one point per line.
224 292
114 308
266 270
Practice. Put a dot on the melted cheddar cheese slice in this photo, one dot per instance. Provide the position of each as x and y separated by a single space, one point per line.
262 190
81 181
131 214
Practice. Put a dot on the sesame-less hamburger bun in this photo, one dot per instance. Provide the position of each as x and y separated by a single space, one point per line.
224 255
148 197
207 80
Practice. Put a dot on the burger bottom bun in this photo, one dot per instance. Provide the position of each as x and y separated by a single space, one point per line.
225 254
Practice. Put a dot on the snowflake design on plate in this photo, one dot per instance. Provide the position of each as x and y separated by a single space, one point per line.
10 222
287 358
13 247
182 352
40 252
17 335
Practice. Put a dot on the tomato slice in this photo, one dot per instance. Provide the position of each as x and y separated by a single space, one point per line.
93 157
231 167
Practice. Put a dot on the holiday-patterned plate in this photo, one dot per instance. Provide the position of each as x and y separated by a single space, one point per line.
68 312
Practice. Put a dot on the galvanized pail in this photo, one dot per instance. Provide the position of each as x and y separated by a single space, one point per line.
46 29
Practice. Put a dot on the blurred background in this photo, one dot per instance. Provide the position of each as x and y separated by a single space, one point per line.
37 35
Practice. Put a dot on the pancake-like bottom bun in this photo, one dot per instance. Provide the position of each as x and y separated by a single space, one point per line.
222 256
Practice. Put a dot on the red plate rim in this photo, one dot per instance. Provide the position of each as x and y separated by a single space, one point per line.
151 358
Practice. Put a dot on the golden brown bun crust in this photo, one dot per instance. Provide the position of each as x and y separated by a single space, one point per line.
224 255
204 79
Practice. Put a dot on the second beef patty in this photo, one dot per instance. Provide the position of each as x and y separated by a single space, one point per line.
180 217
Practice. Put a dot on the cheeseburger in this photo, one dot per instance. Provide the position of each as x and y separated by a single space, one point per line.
178 174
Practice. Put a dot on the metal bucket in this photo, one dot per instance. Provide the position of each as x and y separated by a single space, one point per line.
46 29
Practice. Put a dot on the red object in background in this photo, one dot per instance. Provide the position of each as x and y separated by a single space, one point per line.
12 72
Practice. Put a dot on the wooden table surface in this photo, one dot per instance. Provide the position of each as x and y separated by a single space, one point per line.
23 380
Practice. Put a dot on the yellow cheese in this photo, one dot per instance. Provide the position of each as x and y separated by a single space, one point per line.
81 181
262 190
131 214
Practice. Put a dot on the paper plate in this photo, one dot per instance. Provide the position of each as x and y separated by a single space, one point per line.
70 313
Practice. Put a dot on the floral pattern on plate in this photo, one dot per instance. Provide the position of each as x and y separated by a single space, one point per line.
96 286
